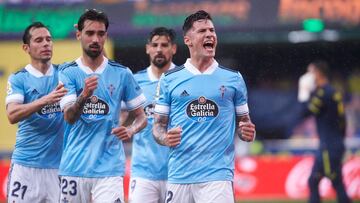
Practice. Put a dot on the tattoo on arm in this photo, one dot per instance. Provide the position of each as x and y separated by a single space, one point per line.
72 112
160 128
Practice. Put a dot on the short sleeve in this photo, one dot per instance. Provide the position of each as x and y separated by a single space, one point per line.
69 85
133 97
162 97
240 96
15 89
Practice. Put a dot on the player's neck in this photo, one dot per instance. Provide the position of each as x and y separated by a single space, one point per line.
92 63
202 63
41 66
158 72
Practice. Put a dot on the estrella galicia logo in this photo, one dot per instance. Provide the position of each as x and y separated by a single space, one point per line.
202 109
149 110
50 111
95 107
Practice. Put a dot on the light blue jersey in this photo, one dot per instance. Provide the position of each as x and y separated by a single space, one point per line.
149 159
90 150
39 137
205 106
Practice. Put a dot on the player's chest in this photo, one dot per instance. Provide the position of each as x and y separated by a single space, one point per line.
149 90
109 88
211 89
39 87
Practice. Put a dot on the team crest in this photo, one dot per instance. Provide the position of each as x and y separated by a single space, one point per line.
222 91
9 88
202 109
111 89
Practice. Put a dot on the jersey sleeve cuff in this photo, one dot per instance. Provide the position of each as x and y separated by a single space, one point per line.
161 109
135 103
16 98
242 110
66 100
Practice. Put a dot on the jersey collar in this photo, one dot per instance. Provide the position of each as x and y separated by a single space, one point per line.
88 70
152 76
35 72
190 67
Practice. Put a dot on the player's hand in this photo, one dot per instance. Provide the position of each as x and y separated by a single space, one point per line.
90 85
247 130
306 86
123 133
173 137
56 95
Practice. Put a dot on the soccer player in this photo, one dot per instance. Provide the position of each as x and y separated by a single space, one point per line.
149 159
321 100
33 96
201 106
93 161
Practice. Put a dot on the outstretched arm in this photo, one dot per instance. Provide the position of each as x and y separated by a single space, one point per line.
139 123
162 136
245 129
73 111
17 112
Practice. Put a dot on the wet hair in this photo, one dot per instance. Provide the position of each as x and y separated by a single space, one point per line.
27 36
93 15
322 66
163 31
189 21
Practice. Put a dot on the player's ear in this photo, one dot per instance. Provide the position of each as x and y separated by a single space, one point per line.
147 47
78 35
26 48
173 48
187 41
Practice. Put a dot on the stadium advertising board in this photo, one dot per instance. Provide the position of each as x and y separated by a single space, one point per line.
266 177
135 18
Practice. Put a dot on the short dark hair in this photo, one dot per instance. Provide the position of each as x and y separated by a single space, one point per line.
163 31
322 66
198 15
27 36
93 15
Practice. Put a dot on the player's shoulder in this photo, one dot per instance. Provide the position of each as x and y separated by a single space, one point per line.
141 72
116 64
230 73
175 70
66 65
56 66
21 71
228 70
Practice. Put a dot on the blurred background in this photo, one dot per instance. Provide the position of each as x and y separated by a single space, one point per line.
270 42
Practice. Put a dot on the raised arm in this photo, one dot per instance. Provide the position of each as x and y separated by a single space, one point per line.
17 112
73 111
162 136
139 123
245 129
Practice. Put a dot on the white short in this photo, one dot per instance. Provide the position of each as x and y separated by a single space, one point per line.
26 184
94 190
149 191
208 192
